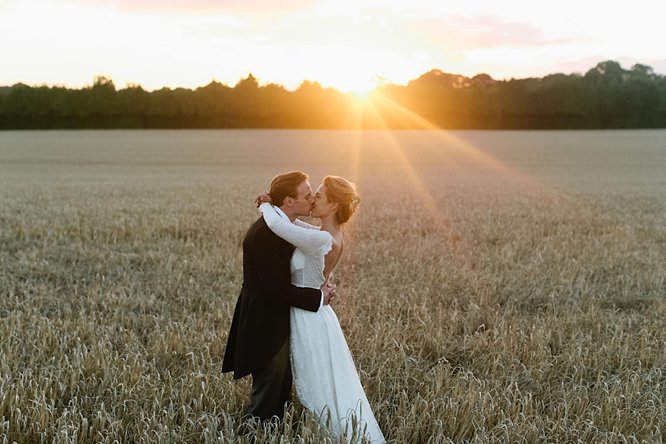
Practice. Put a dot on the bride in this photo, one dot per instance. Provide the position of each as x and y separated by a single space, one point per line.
325 377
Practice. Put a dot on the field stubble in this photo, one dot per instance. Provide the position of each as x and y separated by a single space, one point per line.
481 304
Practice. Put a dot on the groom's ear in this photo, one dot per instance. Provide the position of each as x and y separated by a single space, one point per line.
288 201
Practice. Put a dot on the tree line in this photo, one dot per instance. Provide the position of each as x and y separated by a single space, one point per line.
607 96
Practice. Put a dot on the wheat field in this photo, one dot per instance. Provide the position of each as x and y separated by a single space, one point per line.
496 286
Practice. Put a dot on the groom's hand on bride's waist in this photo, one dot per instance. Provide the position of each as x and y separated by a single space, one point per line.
329 292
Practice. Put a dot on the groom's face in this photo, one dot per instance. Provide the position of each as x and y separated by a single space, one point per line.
304 199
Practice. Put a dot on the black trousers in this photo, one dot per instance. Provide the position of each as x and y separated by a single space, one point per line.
271 387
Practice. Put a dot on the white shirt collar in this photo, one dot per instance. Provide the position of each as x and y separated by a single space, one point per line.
281 213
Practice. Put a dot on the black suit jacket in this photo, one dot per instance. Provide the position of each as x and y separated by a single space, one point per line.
261 319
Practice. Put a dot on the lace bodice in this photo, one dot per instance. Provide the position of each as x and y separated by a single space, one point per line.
312 244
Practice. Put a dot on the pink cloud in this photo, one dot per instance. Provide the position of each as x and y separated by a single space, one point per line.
458 32
230 6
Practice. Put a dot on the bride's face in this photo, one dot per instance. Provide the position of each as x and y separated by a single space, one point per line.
322 207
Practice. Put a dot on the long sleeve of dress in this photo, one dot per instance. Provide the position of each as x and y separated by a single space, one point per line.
307 240
303 224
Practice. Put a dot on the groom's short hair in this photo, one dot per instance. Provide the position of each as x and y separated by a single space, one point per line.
284 185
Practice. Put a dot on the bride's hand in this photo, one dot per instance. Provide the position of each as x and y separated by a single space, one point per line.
261 198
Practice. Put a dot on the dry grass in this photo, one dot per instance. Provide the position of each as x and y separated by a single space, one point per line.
517 301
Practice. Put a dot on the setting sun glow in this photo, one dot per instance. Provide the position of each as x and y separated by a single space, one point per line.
343 44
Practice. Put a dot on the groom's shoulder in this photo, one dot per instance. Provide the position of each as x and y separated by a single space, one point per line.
260 232
257 227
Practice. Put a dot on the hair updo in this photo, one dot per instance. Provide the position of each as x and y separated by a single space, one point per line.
343 192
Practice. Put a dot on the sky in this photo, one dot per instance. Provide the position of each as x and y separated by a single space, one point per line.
351 45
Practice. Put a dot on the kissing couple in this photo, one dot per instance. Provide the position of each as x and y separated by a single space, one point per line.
283 321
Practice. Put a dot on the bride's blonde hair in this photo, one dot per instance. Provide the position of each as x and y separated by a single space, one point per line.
343 192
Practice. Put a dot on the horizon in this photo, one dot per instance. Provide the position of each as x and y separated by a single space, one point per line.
312 81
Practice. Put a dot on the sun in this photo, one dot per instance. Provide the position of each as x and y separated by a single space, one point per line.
353 83
348 74
362 89
363 96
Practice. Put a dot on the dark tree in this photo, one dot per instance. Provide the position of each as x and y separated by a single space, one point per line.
606 96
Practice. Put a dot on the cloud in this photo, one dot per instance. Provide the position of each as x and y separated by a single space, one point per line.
197 6
483 32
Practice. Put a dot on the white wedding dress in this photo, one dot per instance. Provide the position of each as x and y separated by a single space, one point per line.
325 376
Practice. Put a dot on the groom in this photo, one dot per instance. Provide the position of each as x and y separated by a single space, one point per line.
258 342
